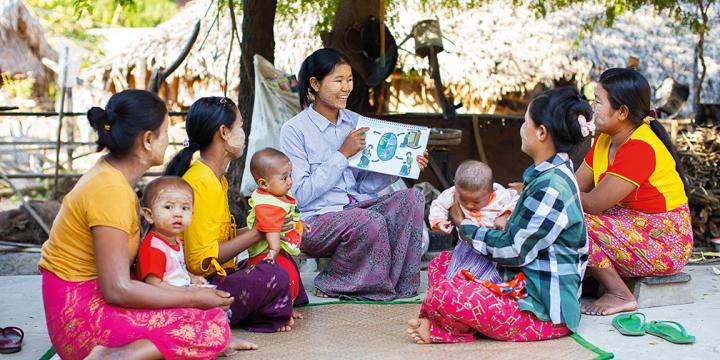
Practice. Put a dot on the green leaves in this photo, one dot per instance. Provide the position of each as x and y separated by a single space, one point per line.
88 6
289 9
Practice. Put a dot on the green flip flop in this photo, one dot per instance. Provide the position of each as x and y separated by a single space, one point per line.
632 324
671 331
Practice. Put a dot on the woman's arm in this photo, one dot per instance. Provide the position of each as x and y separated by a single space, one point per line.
111 259
231 248
309 185
542 217
584 177
633 164
610 191
156 281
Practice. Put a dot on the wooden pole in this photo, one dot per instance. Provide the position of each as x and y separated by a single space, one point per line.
63 80
26 205
382 32
70 132
478 139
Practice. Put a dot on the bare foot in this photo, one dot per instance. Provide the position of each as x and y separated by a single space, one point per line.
237 344
419 330
287 327
138 349
611 303
97 353
296 315
321 294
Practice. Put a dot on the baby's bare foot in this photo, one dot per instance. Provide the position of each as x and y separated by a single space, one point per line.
419 330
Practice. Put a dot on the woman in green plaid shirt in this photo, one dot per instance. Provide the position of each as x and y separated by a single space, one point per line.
545 239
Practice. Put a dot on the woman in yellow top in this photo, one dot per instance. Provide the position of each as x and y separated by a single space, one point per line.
633 193
92 305
264 303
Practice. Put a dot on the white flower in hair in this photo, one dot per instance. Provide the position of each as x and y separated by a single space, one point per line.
586 127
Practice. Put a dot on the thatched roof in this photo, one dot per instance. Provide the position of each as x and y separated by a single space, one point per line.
496 49
204 68
23 44
499 49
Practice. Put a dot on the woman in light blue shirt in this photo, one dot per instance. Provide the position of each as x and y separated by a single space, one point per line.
374 242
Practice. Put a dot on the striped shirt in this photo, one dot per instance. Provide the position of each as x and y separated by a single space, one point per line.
268 215
545 238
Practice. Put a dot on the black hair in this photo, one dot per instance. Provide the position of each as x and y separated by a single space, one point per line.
126 115
153 188
317 65
203 120
263 161
558 110
629 88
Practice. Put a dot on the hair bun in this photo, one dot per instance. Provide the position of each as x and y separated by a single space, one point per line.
97 117
110 117
101 121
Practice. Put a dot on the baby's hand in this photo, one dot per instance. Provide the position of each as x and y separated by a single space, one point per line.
272 254
197 280
455 212
306 227
445 226
501 221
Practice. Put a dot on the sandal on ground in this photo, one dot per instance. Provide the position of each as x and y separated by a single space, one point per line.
671 331
11 339
632 324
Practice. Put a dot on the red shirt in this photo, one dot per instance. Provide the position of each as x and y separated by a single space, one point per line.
644 161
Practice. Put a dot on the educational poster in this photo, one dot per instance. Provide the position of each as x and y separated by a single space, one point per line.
392 148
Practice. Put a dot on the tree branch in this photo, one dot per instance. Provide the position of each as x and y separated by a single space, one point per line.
701 50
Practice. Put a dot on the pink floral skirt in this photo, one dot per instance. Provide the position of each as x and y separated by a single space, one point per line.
640 244
78 319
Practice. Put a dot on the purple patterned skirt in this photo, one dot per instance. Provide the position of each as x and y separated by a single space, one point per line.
263 301
482 267
374 247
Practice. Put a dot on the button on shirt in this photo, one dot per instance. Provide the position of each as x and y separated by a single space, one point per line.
322 180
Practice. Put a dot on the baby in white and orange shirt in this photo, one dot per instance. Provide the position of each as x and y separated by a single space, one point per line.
482 201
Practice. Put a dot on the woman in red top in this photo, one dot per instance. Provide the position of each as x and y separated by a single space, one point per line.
633 192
